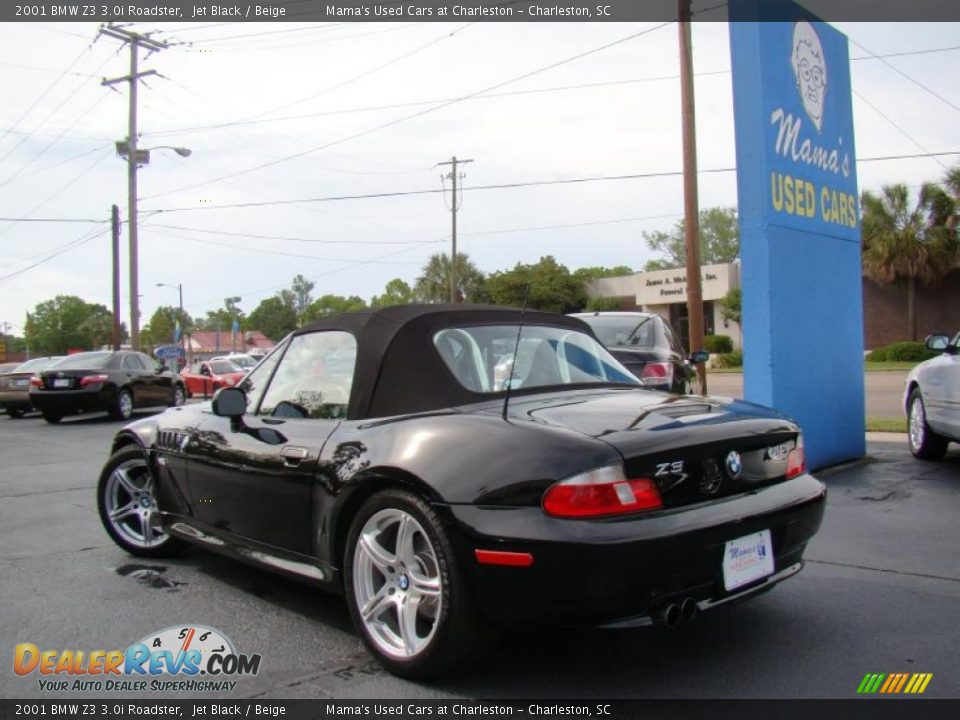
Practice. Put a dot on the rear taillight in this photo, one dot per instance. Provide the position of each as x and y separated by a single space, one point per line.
796 460
36 381
600 492
93 379
657 373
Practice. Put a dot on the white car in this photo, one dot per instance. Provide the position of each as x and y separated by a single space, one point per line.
932 399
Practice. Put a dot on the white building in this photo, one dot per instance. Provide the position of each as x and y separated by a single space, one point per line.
664 292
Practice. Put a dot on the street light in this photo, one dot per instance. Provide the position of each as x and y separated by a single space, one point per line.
179 288
134 160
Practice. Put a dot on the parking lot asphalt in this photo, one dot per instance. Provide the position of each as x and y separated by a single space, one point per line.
879 593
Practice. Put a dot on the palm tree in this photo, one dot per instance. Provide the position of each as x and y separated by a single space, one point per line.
904 243
433 285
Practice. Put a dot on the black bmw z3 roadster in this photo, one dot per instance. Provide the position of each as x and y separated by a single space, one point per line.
376 454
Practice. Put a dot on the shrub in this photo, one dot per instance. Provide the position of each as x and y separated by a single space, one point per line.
728 360
901 352
718 344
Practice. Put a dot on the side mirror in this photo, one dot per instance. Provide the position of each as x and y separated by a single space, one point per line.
230 403
699 356
938 342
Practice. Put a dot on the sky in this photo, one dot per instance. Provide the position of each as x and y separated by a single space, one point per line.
283 111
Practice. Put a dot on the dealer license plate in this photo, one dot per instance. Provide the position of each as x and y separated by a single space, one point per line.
61 382
747 559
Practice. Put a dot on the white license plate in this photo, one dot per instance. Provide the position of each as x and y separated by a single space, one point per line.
61 383
21 383
747 559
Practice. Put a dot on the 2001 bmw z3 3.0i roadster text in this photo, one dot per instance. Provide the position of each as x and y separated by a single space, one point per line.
374 454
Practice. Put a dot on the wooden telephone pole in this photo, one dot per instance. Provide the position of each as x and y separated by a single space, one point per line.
453 177
136 41
691 209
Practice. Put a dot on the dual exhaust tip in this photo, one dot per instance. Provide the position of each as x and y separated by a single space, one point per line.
673 614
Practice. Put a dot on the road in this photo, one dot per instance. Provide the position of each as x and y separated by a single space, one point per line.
879 594
884 390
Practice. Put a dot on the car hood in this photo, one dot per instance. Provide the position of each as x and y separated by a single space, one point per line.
647 422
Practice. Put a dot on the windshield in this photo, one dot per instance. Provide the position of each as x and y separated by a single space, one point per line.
82 361
547 356
37 364
244 362
222 367
619 330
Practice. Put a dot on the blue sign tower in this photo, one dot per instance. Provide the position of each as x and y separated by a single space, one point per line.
799 226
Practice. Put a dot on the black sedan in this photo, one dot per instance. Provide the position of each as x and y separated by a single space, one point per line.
647 347
370 453
115 382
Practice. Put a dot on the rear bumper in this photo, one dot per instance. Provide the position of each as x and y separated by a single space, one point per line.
15 399
72 401
618 572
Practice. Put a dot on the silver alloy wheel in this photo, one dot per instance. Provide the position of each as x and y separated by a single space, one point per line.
124 405
131 506
397 584
918 423
179 398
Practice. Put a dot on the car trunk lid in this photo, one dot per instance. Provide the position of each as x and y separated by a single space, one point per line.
694 448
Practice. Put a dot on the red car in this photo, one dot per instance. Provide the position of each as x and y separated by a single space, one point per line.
205 378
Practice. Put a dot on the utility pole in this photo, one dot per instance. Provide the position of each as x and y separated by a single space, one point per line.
453 176
135 41
115 228
691 210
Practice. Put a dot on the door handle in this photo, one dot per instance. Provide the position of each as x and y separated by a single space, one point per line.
293 455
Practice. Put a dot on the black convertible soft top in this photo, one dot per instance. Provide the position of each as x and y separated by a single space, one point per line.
398 369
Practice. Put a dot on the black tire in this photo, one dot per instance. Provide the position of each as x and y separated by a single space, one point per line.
16 413
122 406
924 443
459 637
179 395
52 417
134 461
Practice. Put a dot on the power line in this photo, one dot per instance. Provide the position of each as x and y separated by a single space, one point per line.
291 239
488 96
366 73
39 100
262 251
52 220
83 240
507 186
912 79
903 132
421 113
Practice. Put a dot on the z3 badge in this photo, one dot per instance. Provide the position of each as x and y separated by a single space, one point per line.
669 475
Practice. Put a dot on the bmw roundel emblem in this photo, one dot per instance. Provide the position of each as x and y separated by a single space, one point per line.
734 464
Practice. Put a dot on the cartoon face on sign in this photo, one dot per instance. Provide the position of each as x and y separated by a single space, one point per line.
810 70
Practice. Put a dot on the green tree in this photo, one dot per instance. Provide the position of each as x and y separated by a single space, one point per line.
302 287
396 292
730 306
905 242
719 240
551 287
67 322
331 305
159 329
222 318
274 317
433 285
602 304
586 274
